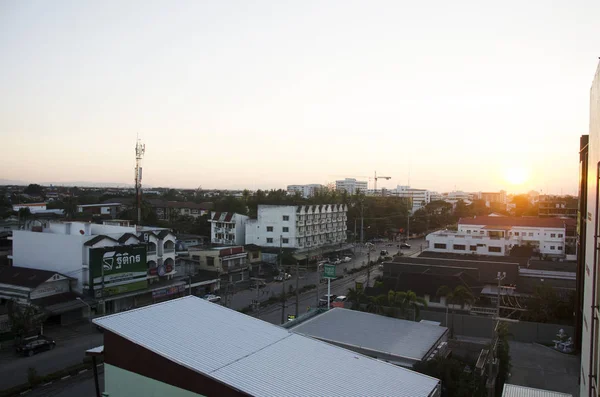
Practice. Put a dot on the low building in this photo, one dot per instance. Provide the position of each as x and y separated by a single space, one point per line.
305 191
185 241
230 263
32 207
419 198
169 350
393 340
227 228
351 186
106 210
557 206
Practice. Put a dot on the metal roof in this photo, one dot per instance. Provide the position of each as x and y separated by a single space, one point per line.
259 358
522 391
392 336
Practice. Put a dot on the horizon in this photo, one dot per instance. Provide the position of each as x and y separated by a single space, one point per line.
444 97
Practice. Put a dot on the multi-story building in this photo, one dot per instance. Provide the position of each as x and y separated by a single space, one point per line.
351 185
305 191
454 197
418 197
227 228
299 227
553 206
167 210
107 209
492 197
230 263
114 266
496 235
589 380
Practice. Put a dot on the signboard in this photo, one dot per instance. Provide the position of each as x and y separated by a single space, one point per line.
168 291
328 271
358 286
123 269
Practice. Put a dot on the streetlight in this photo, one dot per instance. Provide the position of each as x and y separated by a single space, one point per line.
89 309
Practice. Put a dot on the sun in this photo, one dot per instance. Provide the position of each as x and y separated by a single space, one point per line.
516 175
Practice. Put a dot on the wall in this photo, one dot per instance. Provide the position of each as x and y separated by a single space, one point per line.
240 228
481 327
272 216
50 288
119 382
48 251
450 239
110 229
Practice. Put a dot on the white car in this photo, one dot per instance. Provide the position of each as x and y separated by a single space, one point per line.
347 259
282 276
212 298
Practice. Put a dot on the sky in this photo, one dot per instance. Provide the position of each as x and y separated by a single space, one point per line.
462 95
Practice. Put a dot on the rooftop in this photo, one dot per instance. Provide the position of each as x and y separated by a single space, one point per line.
256 357
522 391
516 221
24 277
395 337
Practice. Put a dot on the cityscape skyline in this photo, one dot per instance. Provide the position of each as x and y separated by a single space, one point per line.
469 97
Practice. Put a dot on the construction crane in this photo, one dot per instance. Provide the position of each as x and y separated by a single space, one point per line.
380 177
374 178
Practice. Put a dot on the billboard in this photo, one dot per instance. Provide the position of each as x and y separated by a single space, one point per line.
123 269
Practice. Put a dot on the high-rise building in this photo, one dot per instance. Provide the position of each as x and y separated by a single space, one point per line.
305 191
588 230
351 185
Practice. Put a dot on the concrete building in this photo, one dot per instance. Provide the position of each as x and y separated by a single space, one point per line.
588 225
32 207
419 197
305 191
299 227
492 197
455 196
227 228
557 206
351 185
230 263
396 341
496 235
108 209
114 265
191 347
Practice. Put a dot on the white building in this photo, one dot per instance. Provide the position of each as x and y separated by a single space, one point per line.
496 235
351 185
454 197
33 207
300 227
227 228
305 191
67 248
419 197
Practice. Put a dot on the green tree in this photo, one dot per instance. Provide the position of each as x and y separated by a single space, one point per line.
70 207
409 301
34 190
461 296
356 297
24 215
456 382
503 354
376 304
24 319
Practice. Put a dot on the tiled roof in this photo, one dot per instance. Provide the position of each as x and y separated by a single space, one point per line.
516 221
258 358
24 276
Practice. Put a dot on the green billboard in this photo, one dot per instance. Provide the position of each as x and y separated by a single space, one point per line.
120 269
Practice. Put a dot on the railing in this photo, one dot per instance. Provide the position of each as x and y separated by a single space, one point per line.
300 223
169 250
151 253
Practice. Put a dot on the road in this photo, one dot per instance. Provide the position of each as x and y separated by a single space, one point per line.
70 351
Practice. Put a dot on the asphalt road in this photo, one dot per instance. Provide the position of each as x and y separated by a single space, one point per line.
77 386
13 368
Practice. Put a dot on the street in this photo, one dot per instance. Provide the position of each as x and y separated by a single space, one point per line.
70 350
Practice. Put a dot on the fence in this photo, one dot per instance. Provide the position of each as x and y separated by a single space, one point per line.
481 327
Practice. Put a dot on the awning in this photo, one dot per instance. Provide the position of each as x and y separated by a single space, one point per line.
60 303
96 351
64 307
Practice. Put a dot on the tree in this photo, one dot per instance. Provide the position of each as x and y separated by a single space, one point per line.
546 306
376 304
409 301
503 354
24 215
459 296
356 297
34 190
456 382
70 207
24 319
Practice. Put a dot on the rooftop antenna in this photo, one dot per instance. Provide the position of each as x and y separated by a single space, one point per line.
140 149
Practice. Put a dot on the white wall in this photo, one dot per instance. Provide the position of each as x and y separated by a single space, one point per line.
240 229
122 383
272 216
110 229
450 239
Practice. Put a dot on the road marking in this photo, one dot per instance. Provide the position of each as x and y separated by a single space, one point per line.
65 377
82 371
47 384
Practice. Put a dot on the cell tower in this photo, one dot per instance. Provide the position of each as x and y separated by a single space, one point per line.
140 149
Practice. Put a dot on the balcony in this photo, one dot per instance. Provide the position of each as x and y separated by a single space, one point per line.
299 234
309 222
169 250
300 223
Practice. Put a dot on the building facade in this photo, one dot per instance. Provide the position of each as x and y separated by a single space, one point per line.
108 209
557 206
299 227
351 185
305 191
230 263
227 228
590 338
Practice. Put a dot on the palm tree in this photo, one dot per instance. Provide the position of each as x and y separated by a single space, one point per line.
376 304
410 300
356 297
461 295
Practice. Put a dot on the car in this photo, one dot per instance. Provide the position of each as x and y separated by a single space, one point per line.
346 259
30 346
335 261
325 298
212 298
283 276
384 253
404 245
259 284
339 301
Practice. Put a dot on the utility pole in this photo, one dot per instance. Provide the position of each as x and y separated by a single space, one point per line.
297 284
102 291
368 266
362 225
283 283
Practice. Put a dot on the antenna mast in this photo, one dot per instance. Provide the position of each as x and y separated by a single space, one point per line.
140 149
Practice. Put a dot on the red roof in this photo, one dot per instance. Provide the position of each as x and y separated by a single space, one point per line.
517 221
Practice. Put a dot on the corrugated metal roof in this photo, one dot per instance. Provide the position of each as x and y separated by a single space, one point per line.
257 357
400 338
522 391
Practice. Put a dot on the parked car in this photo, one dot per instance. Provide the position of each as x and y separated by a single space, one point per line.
259 284
404 245
339 301
212 298
384 253
283 276
346 259
31 346
325 298
336 261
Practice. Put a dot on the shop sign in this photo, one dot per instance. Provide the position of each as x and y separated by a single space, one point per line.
168 291
117 267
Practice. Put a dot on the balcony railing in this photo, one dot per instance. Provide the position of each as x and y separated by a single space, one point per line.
300 223
153 252
169 250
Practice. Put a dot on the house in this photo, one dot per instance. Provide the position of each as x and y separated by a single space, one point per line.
227 228
108 210
396 341
303 227
230 263
188 347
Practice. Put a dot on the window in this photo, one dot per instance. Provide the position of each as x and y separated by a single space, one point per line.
286 229
472 248
286 217
552 235
494 249
210 261
468 232
530 234
560 235
434 299
481 232
439 246
285 240
459 247
516 233
269 240
269 228
552 247
560 247
255 254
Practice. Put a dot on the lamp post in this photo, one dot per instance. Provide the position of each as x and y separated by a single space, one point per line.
89 309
